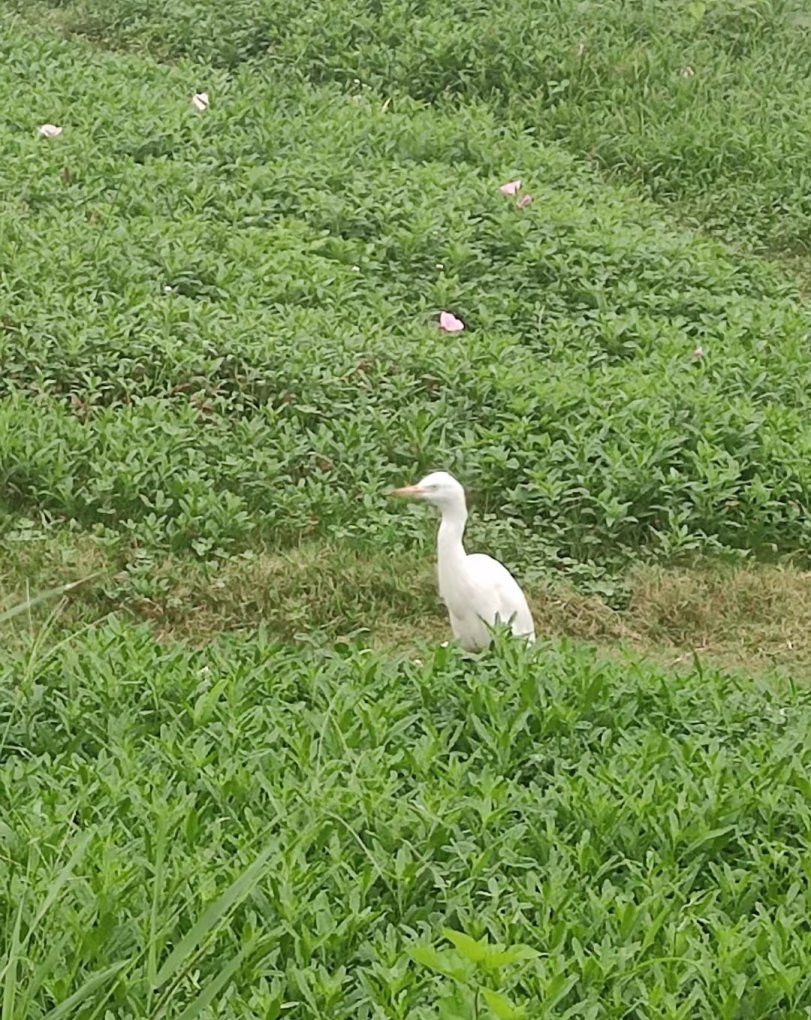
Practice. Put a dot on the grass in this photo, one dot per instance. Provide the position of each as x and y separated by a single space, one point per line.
646 836
704 103
745 618
239 775
255 282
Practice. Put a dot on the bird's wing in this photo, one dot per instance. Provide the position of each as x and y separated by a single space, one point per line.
494 592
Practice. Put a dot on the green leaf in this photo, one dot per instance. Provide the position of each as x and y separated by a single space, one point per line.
512 954
429 957
558 986
467 947
457 1006
501 1005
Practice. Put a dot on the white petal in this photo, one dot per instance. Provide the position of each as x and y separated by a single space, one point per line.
199 101
50 131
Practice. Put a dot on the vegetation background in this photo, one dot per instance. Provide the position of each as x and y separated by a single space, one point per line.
238 777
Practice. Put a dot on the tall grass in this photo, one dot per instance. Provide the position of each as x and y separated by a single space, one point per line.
254 831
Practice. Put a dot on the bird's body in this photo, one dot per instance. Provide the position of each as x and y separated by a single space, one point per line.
477 590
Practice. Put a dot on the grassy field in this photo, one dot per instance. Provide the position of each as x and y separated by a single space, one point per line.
647 837
239 777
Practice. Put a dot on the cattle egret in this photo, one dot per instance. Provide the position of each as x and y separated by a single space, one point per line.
478 591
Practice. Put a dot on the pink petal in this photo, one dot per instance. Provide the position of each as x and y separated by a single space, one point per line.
511 188
523 202
449 322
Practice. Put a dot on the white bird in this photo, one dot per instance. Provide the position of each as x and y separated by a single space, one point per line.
477 590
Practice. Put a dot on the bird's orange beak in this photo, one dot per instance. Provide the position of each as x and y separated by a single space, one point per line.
408 491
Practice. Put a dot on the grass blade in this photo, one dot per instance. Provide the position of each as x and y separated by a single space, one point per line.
10 969
50 593
215 986
60 880
213 913
53 892
157 888
67 1007
42 970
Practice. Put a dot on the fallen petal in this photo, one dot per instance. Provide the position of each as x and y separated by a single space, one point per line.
698 354
510 188
523 202
199 101
449 322
687 72
50 131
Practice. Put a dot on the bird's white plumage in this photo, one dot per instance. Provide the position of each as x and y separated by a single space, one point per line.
477 590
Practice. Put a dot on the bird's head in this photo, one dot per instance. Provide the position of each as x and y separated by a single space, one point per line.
438 488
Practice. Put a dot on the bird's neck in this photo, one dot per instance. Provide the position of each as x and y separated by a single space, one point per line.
450 550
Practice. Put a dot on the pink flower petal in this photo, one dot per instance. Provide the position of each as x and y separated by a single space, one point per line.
449 322
523 202
510 188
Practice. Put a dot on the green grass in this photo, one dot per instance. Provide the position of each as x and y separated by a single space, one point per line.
219 350
612 80
647 836
221 330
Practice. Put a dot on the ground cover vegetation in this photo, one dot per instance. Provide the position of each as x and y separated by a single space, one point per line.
218 350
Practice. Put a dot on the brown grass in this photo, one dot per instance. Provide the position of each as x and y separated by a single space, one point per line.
756 619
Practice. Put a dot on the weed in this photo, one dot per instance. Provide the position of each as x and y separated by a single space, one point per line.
273 829
475 967
230 337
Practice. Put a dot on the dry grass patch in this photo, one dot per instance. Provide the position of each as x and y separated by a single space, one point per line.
755 618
